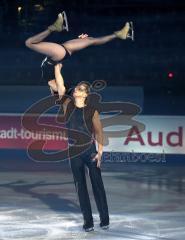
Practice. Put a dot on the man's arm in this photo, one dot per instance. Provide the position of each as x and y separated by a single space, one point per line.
98 129
59 79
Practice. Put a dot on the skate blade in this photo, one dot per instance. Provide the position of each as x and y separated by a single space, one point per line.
131 30
65 24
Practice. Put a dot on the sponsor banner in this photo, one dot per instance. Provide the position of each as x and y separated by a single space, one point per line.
141 134
14 136
147 134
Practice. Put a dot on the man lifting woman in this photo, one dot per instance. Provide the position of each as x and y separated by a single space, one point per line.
55 52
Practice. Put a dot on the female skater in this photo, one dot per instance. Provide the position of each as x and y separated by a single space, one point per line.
57 52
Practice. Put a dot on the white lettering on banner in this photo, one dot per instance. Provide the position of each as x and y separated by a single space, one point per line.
13 133
8 134
162 134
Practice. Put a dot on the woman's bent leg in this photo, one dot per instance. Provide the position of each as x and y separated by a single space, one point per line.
53 50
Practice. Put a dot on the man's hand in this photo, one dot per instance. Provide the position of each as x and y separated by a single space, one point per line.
83 36
98 159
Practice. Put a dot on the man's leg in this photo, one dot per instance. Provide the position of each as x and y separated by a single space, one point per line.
78 170
99 191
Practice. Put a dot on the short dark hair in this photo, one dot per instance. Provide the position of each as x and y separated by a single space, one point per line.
87 86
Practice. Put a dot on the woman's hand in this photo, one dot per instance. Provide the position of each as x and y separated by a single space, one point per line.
83 36
60 66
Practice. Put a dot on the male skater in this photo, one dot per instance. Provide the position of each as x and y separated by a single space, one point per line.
83 122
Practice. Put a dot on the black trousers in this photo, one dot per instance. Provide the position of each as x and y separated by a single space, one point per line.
78 165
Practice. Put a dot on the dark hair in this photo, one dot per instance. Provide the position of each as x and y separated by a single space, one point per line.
87 86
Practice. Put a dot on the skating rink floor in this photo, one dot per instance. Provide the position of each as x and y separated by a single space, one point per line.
146 202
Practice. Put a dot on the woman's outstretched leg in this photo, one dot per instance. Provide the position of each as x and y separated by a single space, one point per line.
53 50
83 42
79 44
